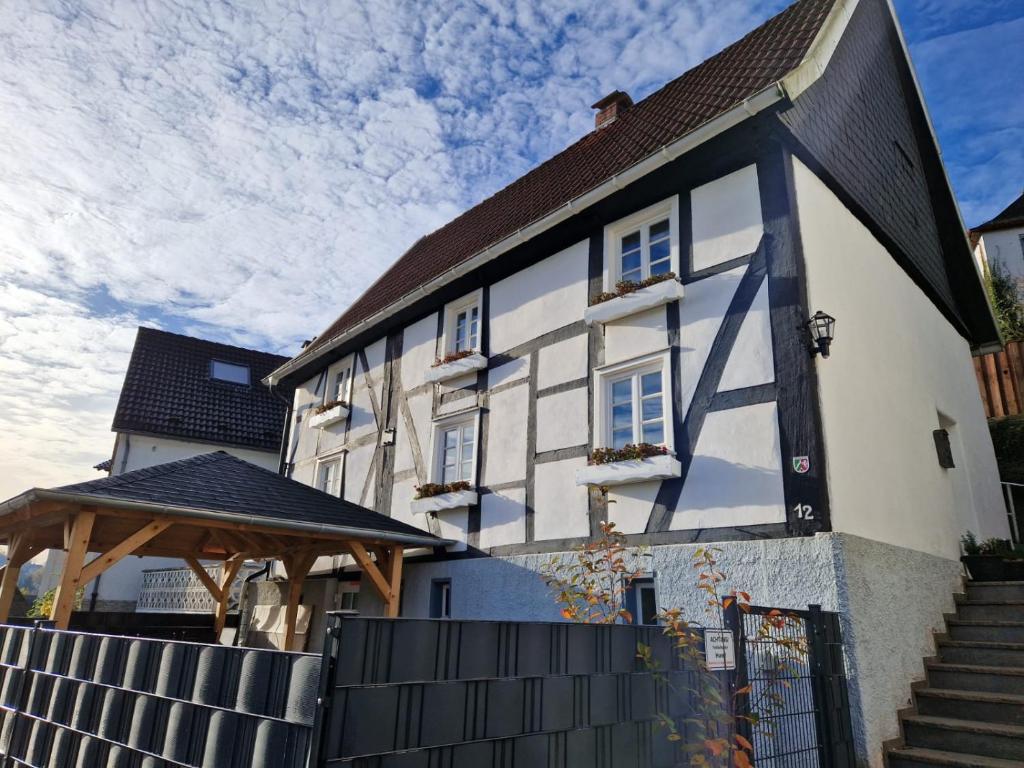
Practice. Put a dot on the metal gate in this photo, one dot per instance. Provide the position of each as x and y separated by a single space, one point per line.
812 728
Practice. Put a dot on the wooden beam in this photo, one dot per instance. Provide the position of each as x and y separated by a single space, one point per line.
228 575
370 569
206 579
16 549
394 574
297 567
71 577
100 564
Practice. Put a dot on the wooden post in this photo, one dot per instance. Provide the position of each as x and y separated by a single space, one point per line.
388 587
71 577
297 567
18 552
231 567
394 575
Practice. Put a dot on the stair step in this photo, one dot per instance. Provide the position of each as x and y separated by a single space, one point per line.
995 590
914 757
974 677
971 705
993 631
990 610
968 736
982 652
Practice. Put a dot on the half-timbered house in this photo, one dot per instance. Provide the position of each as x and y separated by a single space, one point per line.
793 173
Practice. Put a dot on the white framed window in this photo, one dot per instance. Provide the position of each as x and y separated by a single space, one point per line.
643 245
328 476
462 324
338 386
230 372
634 403
642 602
455 446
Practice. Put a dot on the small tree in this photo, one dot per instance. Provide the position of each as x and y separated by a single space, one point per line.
1004 291
591 586
592 583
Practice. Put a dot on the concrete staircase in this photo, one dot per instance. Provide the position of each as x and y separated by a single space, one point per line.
969 713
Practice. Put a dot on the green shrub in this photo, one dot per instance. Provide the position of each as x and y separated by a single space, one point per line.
1008 441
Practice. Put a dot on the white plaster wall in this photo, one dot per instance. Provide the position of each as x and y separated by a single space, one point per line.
636 335
419 349
560 510
362 417
727 219
735 477
1004 246
419 408
629 506
503 518
358 463
562 420
506 436
545 296
515 370
895 364
562 362
751 361
700 317
145 451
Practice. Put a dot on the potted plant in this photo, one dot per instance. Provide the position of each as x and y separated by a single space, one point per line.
992 559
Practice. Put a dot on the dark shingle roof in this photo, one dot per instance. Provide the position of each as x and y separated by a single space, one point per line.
168 391
1012 216
219 482
738 72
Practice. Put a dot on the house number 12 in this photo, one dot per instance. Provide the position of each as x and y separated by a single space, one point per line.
804 511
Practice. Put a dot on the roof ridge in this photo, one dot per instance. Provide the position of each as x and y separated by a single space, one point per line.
212 342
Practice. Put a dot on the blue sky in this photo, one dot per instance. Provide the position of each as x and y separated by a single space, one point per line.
243 172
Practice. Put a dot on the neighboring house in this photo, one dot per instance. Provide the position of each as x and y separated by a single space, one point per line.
1002 239
184 397
793 172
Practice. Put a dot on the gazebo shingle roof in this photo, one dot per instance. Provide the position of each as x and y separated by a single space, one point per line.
218 482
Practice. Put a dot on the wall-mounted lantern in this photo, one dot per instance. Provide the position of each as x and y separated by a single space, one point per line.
821 328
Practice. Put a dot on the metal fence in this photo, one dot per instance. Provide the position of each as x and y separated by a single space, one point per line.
78 700
809 723
401 693
424 693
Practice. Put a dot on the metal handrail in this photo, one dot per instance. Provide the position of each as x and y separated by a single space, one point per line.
1011 510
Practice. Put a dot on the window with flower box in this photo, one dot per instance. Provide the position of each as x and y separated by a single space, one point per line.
643 245
634 403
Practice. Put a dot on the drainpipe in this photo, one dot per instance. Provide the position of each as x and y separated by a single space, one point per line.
95 593
286 437
243 596
124 456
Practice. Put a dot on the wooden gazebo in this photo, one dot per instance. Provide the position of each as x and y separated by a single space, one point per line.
210 507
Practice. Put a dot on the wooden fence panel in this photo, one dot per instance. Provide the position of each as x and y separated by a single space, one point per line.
1001 380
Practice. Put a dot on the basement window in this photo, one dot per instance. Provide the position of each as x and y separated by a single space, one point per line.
441 599
641 601
229 372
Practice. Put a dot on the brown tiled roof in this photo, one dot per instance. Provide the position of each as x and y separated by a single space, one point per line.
1011 216
168 391
738 72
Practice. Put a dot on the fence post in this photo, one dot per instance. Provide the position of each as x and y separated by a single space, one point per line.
817 650
738 678
328 663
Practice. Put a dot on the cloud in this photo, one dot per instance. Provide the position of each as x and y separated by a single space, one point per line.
243 172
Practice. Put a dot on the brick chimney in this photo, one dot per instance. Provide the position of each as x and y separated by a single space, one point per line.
610 107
